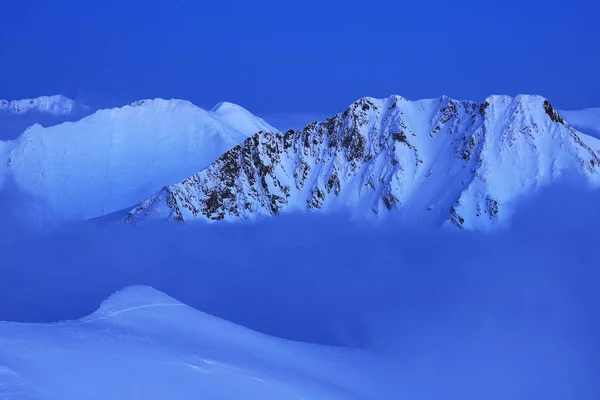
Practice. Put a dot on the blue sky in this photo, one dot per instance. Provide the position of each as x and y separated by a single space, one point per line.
299 57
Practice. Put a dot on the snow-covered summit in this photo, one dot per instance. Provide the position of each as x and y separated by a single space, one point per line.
115 158
239 118
434 161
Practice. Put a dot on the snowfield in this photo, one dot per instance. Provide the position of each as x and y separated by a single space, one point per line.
142 344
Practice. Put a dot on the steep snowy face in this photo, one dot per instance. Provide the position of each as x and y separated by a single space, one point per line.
437 161
18 115
115 158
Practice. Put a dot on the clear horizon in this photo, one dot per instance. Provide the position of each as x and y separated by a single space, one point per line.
315 58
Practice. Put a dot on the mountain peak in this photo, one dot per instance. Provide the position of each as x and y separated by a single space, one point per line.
132 298
437 161
225 106
239 118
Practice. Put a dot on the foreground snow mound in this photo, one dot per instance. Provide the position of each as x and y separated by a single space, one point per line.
142 344
115 158
433 162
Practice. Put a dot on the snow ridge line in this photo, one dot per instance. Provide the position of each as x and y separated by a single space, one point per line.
85 321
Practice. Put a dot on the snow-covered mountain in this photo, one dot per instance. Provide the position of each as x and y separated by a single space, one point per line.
116 158
437 161
18 115
143 344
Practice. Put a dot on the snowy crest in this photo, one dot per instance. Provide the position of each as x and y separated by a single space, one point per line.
436 161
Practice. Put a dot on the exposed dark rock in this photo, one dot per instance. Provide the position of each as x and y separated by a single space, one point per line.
492 207
399 137
333 183
552 113
390 201
483 107
456 219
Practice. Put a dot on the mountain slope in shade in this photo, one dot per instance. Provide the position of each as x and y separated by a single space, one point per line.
435 162
586 121
18 115
115 158
142 344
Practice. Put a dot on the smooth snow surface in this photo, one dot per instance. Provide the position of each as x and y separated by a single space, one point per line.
118 157
586 121
239 118
142 344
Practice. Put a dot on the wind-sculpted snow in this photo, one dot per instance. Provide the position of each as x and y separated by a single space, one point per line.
430 162
116 158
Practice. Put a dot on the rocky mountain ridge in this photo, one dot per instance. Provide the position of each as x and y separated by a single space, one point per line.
436 161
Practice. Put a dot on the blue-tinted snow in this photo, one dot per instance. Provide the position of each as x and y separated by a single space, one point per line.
511 314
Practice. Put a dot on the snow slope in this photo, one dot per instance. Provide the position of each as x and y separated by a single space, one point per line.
116 158
18 115
586 121
142 344
434 162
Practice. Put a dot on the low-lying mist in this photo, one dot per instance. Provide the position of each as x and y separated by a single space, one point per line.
510 314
